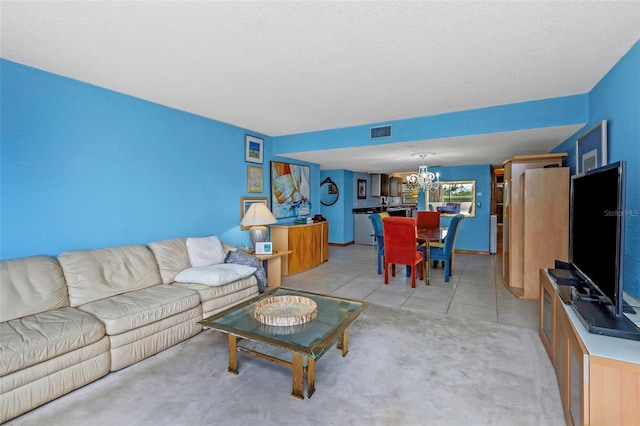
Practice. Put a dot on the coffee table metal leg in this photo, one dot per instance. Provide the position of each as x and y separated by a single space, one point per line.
233 354
343 342
297 368
311 376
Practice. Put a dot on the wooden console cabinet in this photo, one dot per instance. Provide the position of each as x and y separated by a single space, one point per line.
598 376
309 245
536 220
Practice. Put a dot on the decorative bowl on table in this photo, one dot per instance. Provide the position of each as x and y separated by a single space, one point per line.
283 311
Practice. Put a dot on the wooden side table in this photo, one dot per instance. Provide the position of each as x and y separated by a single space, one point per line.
273 266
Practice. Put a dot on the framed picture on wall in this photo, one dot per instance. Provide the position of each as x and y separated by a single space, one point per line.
245 203
290 190
253 149
254 179
591 148
362 189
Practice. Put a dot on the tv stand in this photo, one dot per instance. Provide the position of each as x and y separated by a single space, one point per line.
627 308
598 375
593 309
597 318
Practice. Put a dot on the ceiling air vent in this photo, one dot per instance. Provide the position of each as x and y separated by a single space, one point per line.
380 132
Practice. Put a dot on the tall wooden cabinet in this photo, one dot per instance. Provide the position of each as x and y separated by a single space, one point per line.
536 220
309 245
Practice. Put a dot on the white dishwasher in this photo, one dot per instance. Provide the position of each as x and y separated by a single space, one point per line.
363 229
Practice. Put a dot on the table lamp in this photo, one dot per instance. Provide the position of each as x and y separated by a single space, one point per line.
256 217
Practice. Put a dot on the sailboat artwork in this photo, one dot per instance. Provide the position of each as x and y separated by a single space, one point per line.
290 190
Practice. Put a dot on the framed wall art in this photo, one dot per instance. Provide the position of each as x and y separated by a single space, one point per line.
253 149
254 179
591 148
245 203
362 189
290 190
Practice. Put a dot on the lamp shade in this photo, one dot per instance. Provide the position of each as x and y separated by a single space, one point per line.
258 214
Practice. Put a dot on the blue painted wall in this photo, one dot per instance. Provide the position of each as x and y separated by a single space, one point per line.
520 116
84 167
616 98
339 214
370 201
473 233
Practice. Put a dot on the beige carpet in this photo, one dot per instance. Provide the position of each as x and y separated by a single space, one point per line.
404 367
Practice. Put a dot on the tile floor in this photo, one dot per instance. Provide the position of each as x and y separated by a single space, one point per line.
474 291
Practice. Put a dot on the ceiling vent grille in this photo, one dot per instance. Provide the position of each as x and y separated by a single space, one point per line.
380 132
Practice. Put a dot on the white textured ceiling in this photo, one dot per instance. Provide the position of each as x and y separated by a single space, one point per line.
290 67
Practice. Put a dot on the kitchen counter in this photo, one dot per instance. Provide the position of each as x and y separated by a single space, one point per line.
393 211
367 210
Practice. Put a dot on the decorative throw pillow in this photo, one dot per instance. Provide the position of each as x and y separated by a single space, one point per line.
215 275
205 251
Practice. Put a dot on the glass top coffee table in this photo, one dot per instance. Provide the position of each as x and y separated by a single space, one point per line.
305 341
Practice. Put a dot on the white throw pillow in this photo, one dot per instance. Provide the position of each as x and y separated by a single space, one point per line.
205 251
214 275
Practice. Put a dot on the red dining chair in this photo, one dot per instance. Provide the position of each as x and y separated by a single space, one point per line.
428 220
400 247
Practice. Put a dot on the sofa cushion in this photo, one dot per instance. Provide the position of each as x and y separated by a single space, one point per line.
213 306
98 274
172 257
135 345
215 275
31 285
37 338
207 292
205 251
139 308
31 387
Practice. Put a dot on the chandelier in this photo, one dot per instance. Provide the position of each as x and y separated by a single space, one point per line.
424 180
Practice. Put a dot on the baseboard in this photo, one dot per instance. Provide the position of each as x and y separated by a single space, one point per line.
483 253
341 244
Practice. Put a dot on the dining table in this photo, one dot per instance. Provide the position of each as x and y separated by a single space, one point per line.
432 235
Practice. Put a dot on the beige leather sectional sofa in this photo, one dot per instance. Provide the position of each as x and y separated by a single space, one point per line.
68 321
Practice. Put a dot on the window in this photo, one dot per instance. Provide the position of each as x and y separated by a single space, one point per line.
454 197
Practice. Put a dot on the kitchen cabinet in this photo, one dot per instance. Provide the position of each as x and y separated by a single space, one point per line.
384 185
309 245
379 185
394 182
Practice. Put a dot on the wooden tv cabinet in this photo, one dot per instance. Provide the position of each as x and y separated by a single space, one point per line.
309 245
598 376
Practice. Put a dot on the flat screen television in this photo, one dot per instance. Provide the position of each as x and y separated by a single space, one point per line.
597 230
